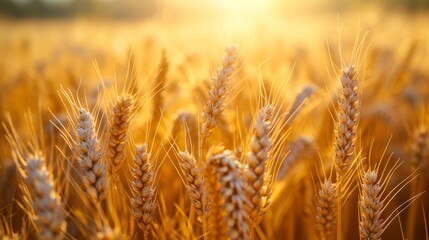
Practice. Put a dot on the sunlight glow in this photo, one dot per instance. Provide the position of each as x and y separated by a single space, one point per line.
244 5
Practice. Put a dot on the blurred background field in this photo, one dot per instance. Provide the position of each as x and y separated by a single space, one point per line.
46 45
57 41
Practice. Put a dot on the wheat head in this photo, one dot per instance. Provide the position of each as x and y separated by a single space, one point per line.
118 132
143 200
194 181
256 160
90 158
215 103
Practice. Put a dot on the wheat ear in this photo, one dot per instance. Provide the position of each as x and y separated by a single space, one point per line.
345 133
194 183
370 207
348 114
48 212
256 159
90 158
298 103
374 200
216 96
118 132
143 201
299 148
419 160
420 148
326 208
158 98
228 172
185 125
217 213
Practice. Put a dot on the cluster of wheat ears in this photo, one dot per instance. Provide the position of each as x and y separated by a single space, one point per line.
228 191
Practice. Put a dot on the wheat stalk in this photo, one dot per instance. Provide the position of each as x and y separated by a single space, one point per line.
256 159
217 213
48 211
194 183
185 122
420 148
143 201
298 103
347 115
326 208
345 133
419 161
90 158
158 98
215 103
374 199
298 147
370 207
41 200
227 170
118 132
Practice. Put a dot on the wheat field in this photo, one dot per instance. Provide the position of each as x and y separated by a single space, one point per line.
216 122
